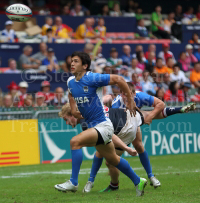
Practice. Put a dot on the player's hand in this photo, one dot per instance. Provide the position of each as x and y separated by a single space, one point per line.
131 151
148 120
131 106
78 115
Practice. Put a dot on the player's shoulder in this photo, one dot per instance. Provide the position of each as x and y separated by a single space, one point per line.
69 79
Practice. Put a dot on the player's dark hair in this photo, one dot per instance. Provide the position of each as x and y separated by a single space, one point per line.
85 58
131 86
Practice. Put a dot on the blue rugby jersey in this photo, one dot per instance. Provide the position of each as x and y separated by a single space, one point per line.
88 95
141 99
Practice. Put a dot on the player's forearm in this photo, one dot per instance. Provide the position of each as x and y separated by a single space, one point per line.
157 109
118 143
118 80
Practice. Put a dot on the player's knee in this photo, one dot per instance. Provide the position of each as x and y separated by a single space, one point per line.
74 143
98 155
113 161
139 147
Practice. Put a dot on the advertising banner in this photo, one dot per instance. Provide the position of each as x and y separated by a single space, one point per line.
177 134
19 144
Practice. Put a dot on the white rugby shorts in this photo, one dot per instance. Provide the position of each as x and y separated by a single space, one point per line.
106 130
128 132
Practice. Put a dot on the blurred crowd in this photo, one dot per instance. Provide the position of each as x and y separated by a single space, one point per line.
156 27
161 75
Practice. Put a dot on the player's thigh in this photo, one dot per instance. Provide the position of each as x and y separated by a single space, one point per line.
86 138
108 152
137 142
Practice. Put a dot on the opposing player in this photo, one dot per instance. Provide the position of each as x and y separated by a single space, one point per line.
159 111
85 91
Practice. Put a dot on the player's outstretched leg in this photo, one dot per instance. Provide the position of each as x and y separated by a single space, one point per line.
144 159
108 152
96 164
171 110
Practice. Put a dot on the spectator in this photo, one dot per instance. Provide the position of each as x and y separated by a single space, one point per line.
138 48
147 86
139 14
100 61
42 54
28 101
67 64
178 14
170 64
195 39
159 68
188 16
61 30
48 38
196 97
182 62
168 22
142 32
85 30
8 34
186 87
114 60
125 74
166 82
66 10
83 8
141 60
12 67
40 100
116 11
88 48
105 11
190 58
101 29
195 75
151 48
150 62
177 26
45 88
197 54
25 61
13 88
126 57
178 75
134 67
49 23
77 11
19 99
136 82
165 53
198 12
160 94
174 94
130 7
7 101
59 99
156 26
50 61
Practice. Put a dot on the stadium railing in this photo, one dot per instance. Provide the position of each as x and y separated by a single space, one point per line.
51 112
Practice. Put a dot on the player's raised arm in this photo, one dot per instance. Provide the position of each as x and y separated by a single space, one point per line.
73 106
118 80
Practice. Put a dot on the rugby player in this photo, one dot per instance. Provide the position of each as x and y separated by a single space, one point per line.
85 92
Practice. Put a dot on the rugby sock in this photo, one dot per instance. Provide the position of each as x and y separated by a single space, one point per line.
125 168
77 157
95 167
169 111
144 159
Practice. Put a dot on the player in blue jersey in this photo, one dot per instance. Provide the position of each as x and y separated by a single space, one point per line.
159 112
85 91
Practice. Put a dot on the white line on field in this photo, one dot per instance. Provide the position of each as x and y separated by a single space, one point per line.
83 171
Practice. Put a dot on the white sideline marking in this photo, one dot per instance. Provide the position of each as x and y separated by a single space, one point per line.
83 171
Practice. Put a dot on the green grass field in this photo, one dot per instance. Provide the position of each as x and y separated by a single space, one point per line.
179 175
